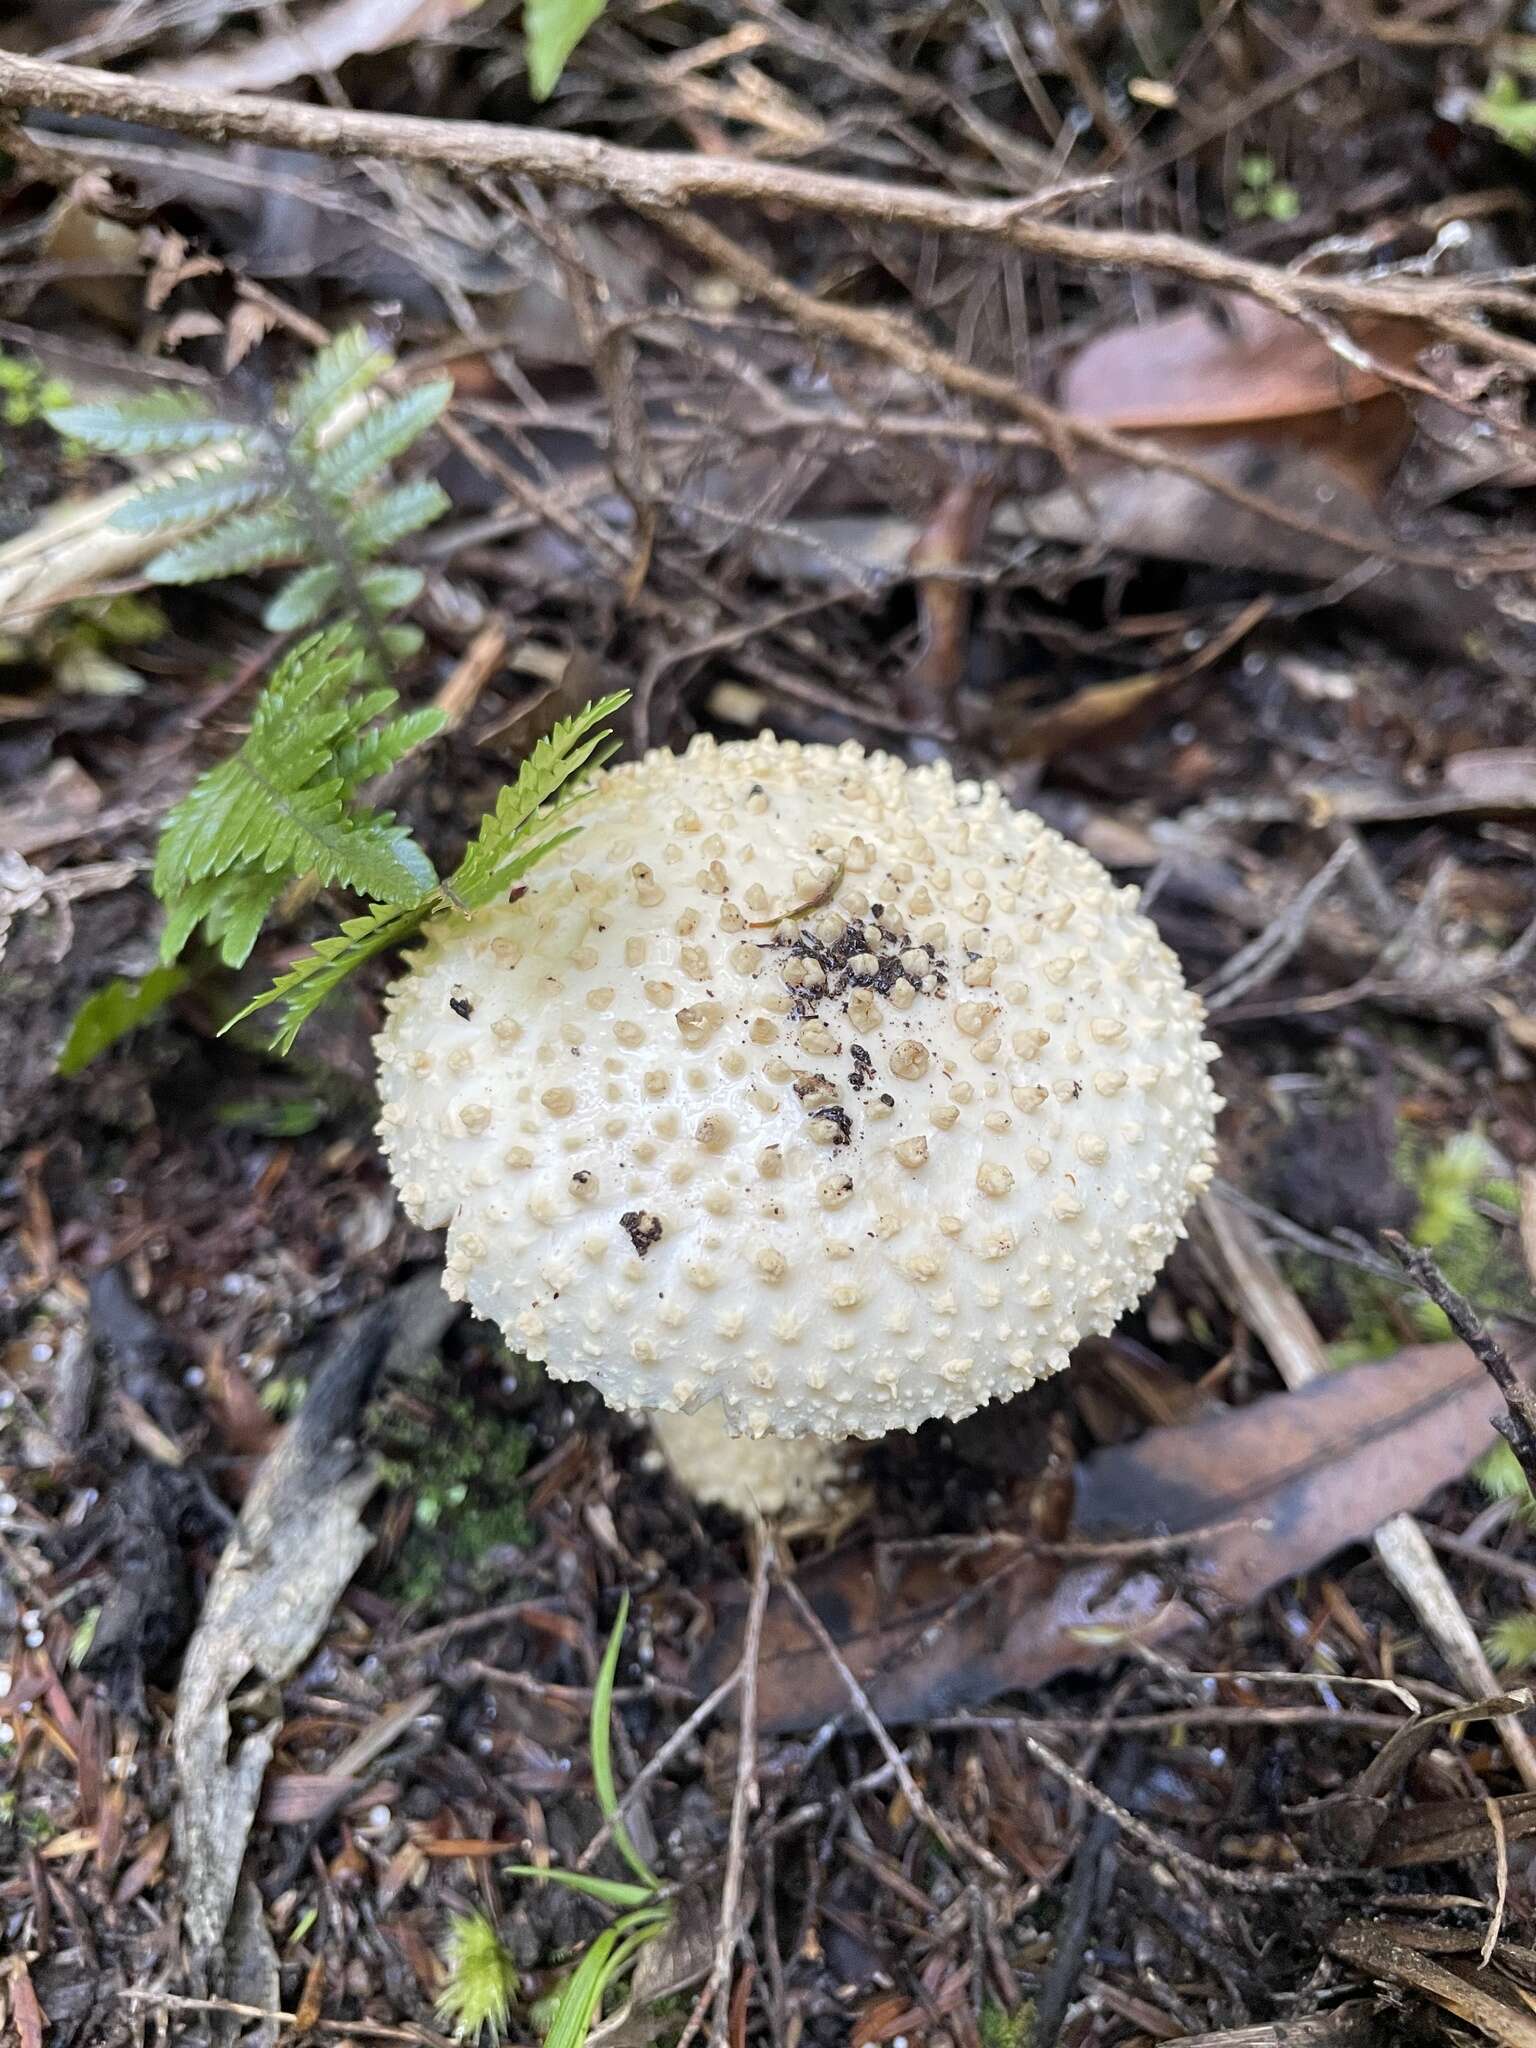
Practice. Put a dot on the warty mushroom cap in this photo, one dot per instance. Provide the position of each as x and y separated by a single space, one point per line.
833 1090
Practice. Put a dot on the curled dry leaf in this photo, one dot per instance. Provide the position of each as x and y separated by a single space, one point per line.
1264 1492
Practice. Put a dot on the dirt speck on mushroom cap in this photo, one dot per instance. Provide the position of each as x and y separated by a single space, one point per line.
836 1091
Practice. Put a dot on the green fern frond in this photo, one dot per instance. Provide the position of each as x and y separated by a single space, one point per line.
307 484
318 975
380 522
306 487
280 807
512 839
554 770
303 599
237 546
382 434
223 487
352 363
372 753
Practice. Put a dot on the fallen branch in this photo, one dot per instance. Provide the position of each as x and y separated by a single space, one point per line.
665 178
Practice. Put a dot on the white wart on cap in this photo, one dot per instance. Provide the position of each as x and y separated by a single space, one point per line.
834 1091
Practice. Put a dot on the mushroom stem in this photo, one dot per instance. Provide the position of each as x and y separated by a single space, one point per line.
763 1475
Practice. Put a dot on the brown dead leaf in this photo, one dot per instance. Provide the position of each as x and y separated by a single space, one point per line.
145 1867
26 2013
1265 1492
326 39
1248 365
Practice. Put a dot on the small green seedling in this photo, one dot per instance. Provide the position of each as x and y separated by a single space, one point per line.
645 1915
1263 196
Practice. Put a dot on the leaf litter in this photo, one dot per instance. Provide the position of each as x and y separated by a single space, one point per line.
1150 1702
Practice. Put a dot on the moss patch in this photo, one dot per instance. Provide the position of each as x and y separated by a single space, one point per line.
461 1463
1460 1198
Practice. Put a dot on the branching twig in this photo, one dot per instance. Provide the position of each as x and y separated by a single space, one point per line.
956 1839
662 178
1518 1427
899 341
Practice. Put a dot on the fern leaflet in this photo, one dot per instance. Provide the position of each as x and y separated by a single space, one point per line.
282 806
304 485
511 840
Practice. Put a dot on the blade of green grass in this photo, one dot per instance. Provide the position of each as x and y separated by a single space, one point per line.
610 1890
602 1751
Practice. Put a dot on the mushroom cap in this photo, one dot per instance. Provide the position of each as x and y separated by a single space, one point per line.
833 1090
766 1475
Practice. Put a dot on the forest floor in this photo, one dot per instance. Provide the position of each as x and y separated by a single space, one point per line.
1127 401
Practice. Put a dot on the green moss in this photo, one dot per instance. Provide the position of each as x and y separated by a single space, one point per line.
462 1463
481 1983
1000 2028
26 392
1454 1185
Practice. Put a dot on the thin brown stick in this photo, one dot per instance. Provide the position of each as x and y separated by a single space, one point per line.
664 178
1518 1428
355 2030
955 1838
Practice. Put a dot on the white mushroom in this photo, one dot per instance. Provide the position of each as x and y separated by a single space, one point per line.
764 1475
833 1091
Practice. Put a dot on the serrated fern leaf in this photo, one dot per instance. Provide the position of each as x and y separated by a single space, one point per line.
306 483
574 746
382 434
209 493
280 807
159 423
235 907
235 547
303 599
353 362
239 816
512 839
306 985
379 522
374 753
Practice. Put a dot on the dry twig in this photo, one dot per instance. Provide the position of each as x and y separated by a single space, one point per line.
1518 1427
661 179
